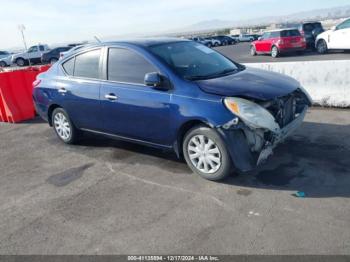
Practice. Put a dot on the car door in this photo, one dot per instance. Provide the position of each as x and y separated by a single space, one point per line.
32 53
340 37
128 107
79 89
262 45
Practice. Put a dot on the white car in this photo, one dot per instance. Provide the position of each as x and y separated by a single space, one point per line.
33 54
4 58
6 61
336 38
245 38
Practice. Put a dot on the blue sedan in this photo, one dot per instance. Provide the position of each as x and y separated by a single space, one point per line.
172 94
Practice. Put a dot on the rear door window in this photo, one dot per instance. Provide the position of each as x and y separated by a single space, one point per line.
87 64
69 66
127 66
290 33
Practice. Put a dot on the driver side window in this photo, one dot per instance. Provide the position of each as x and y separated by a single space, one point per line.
33 49
265 36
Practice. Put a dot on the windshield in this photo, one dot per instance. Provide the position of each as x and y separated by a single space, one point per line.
194 61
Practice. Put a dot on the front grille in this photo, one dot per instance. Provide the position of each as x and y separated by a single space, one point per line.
283 109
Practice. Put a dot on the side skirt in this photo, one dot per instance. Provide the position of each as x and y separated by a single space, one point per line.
128 139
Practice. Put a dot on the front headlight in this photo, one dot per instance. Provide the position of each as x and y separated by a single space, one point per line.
253 115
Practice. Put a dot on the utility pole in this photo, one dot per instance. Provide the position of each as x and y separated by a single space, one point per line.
21 28
97 39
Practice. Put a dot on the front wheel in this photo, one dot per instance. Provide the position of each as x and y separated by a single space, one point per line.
322 47
63 126
2 64
206 154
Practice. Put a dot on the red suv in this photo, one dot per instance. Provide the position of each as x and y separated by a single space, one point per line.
278 42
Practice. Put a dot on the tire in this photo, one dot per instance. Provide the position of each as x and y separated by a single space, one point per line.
322 47
274 52
2 64
20 62
63 126
216 44
215 165
53 60
253 50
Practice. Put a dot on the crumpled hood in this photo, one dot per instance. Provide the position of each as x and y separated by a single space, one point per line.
251 83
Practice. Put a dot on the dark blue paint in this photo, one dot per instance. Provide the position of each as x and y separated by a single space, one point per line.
147 114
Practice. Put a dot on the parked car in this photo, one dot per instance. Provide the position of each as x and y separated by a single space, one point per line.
336 38
310 30
6 61
33 55
70 51
235 37
245 38
225 40
255 36
279 42
4 54
54 55
172 94
214 42
203 41
4 58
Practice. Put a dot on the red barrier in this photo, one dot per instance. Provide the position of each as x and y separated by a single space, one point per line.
16 103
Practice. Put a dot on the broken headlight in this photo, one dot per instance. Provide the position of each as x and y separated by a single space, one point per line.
252 114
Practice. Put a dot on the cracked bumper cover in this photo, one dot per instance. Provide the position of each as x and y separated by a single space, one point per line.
244 159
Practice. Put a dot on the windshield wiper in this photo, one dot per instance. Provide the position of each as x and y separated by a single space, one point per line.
217 74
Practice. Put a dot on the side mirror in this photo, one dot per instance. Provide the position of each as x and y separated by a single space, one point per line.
259 38
333 28
153 79
156 81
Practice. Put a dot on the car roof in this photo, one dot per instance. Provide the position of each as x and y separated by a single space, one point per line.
145 42
281 29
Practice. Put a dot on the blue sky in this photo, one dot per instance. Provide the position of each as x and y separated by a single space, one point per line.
57 21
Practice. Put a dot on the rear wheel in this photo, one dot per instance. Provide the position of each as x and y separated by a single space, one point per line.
206 153
322 47
274 52
63 126
253 50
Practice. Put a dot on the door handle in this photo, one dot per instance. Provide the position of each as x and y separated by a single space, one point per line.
111 97
62 90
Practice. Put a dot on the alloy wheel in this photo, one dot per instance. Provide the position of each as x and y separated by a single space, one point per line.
62 126
204 154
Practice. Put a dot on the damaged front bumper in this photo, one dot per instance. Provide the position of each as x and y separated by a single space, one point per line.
250 146
280 136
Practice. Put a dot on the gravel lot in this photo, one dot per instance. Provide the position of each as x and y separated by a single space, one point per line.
110 197
240 53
